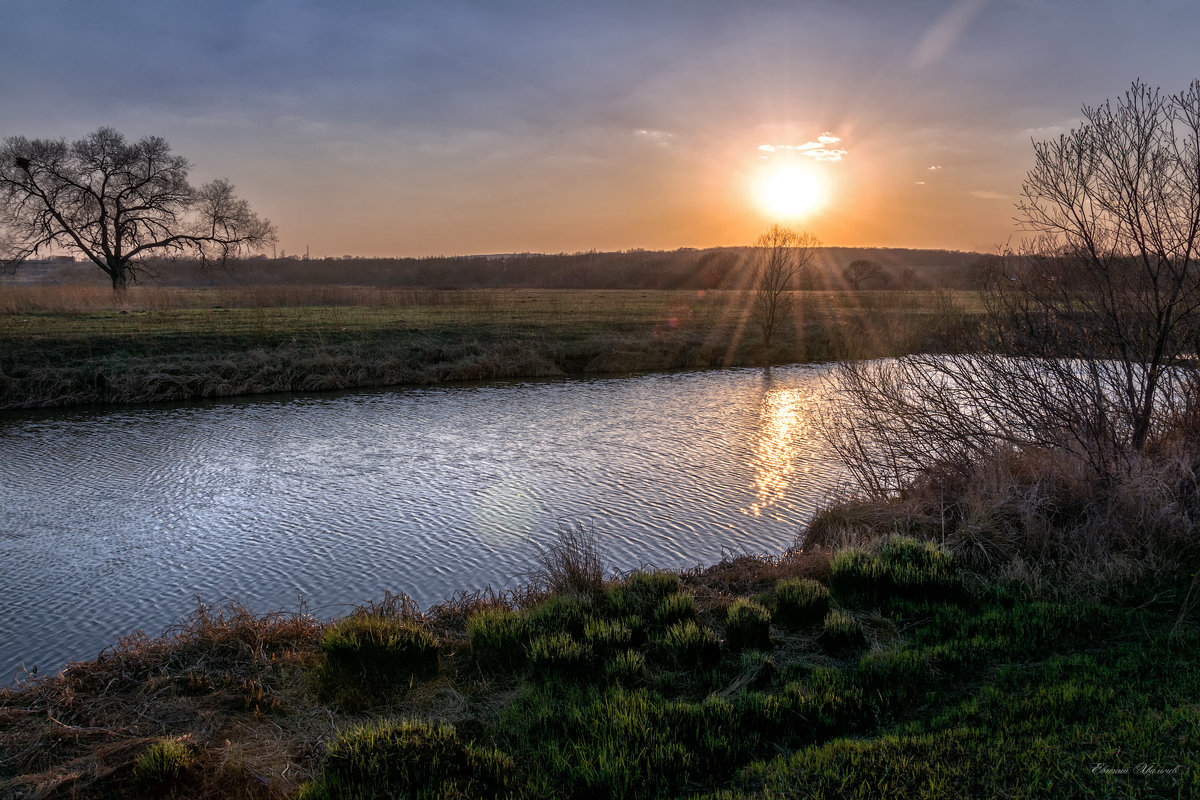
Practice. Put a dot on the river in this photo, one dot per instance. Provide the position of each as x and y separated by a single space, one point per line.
113 520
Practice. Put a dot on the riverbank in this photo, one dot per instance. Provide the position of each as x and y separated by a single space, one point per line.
65 346
895 668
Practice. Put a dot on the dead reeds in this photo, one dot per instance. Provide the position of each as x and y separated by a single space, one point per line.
572 564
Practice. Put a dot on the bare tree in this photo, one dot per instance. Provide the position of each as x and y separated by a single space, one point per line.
779 258
860 271
1092 326
118 203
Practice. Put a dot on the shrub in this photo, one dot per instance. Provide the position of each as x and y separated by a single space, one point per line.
687 644
747 625
163 763
379 650
498 638
641 592
557 652
841 631
411 760
800 601
674 608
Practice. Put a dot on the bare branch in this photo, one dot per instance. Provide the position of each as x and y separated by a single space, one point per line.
117 203
1092 326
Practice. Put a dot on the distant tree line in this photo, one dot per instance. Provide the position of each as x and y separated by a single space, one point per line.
684 269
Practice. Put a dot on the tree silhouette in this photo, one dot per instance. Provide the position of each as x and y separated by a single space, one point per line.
860 271
117 203
1092 325
778 259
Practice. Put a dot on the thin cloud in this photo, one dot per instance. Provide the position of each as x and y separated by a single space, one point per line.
660 138
936 167
820 150
984 194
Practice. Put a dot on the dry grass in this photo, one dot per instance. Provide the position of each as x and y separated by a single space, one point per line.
80 299
1042 518
212 683
572 564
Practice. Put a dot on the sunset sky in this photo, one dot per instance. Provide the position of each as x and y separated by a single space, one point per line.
442 127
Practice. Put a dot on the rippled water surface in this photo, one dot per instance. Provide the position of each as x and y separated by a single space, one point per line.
112 521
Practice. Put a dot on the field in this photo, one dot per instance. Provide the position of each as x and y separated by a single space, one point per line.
64 346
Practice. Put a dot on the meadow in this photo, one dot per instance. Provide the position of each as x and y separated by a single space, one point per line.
73 345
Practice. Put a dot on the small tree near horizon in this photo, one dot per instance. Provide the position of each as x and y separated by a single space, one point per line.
117 203
860 271
778 260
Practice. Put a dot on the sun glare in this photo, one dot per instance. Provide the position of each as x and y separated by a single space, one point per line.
792 192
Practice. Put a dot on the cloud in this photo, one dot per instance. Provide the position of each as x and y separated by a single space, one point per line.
936 167
919 183
984 194
820 150
660 138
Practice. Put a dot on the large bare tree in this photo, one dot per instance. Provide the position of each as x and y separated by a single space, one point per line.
1093 325
117 203
779 258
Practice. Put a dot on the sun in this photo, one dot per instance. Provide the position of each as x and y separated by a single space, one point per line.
792 192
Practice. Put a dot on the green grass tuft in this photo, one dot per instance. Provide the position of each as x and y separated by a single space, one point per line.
674 608
163 763
606 636
640 593
557 653
748 625
413 760
800 601
896 566
561 613
626 666
379 651
498 637
840 631
687 645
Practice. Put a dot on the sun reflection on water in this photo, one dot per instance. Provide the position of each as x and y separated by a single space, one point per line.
783 422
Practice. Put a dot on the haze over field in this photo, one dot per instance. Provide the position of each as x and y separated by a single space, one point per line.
394 129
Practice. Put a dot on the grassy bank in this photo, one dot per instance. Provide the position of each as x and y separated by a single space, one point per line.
62 346
879 671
